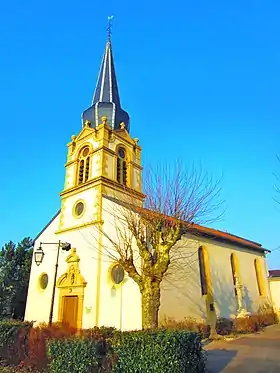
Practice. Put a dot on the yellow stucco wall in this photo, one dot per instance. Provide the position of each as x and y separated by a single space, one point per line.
89 198
274 284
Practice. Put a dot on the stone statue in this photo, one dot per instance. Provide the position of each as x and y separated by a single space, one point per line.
72 274
241 310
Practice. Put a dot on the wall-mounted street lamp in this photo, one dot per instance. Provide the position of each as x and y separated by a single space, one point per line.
39 256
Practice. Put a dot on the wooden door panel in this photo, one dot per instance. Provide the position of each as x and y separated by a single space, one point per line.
70 310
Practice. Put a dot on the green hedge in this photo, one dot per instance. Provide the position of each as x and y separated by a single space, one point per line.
13 338
106 350
78 355
160 351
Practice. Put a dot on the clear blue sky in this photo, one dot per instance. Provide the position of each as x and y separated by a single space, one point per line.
208 71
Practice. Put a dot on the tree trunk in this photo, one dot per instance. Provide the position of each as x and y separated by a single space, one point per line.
150 302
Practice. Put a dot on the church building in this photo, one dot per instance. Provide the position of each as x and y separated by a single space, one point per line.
78 284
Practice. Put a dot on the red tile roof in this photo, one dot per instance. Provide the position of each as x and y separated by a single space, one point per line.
214 233
274 273
203 231
208 232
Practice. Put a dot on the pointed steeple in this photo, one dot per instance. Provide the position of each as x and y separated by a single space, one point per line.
106 100
107 86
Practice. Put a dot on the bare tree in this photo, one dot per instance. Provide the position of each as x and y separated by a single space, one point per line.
176 200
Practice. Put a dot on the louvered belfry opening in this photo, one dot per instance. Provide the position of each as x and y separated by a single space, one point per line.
122 167
84 165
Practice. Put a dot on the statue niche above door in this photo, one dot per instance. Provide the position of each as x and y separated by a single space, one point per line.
71 293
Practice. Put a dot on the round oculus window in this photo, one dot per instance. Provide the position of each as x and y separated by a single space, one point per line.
85 152
79 208
121 153
117 274
43 281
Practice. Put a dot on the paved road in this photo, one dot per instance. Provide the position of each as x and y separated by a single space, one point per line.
257 353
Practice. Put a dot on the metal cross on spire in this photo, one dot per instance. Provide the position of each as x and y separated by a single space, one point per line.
109 29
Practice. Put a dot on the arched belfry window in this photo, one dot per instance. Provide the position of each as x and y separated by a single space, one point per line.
122 167
259 277
83 166
203 271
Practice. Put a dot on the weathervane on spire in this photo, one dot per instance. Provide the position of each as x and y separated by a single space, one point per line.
109 29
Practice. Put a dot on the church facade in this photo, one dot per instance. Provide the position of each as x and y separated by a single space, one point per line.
220 273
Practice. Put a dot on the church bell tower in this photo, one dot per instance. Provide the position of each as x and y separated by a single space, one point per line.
103 159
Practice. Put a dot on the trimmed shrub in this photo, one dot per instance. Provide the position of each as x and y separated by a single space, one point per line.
103 332
37 343
159 351
79 355
188 324
267 315
224 326
13 340
256 322
245 325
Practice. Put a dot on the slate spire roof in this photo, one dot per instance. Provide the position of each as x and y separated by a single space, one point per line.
107 86
106 100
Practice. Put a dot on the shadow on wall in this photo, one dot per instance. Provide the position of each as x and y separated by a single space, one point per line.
247 300
225 298
186 299
217 360
181 294
181 290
